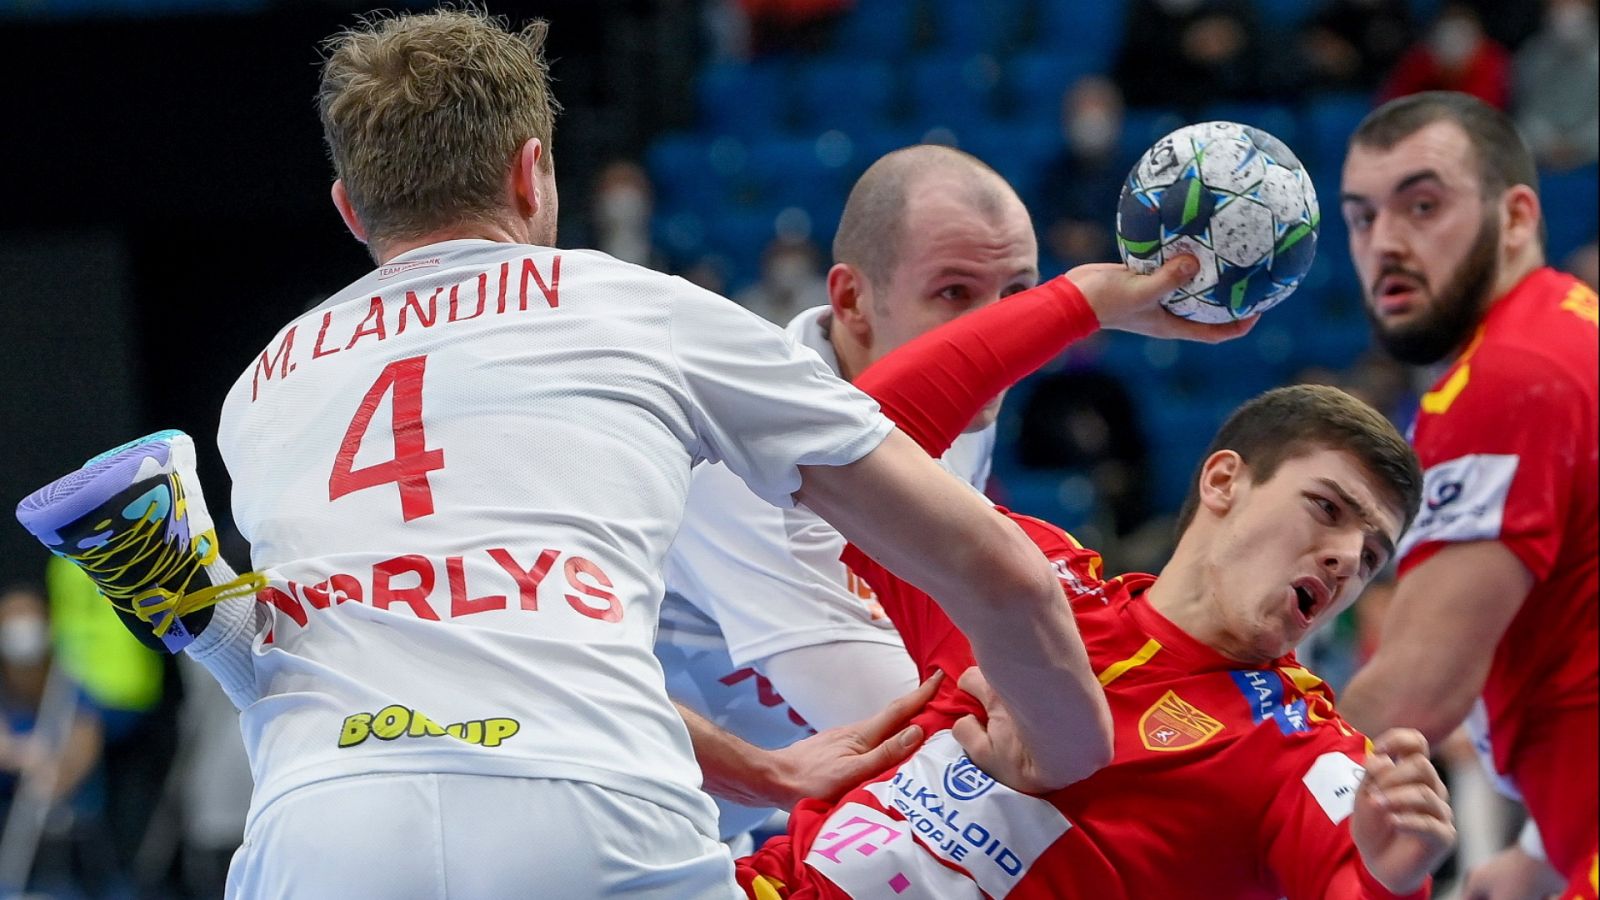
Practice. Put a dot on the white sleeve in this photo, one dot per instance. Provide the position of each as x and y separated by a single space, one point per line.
770 578
762 404
875 675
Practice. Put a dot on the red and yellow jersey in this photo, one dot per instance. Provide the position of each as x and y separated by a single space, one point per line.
1227 781
1508 439
1585 881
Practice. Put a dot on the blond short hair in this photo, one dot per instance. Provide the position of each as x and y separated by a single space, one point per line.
424 114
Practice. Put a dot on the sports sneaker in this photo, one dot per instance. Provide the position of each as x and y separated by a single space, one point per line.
134 519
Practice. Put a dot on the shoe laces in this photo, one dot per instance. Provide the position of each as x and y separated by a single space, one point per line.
162 560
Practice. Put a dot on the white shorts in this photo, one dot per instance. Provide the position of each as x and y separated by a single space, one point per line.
433 836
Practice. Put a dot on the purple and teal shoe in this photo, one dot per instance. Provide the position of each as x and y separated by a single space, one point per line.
134 519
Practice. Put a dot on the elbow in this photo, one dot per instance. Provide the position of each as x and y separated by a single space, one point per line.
1016 578
1087 756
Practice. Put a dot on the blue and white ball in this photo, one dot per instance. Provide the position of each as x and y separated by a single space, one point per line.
1236 198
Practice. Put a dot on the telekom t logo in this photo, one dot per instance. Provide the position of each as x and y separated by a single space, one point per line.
862 838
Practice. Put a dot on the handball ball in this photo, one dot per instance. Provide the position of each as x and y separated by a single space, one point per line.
1238 200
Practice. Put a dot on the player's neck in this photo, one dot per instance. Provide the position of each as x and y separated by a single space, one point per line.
1514 269
1184 594
853 358
478 231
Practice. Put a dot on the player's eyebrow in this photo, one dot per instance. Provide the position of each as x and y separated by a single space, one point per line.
1406 183
1362 513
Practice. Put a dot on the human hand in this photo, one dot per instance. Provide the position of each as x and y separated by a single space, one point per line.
831 762
996 745
1124 300
1512 874
1402 823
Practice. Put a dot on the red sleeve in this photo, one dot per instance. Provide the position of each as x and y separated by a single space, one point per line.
1494 476
934 385
1307 825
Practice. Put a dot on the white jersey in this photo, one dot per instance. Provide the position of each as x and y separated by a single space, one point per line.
746 580
461 474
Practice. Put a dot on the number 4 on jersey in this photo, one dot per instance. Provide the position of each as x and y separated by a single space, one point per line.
412 459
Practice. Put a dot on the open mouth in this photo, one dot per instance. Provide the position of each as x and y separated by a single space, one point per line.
1311 596
1395 292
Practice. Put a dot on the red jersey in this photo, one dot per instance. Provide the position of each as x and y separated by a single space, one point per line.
1508 439
1227 781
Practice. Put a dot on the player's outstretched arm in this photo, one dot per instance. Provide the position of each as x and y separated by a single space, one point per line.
919 522
823 766
1432 662
1402 823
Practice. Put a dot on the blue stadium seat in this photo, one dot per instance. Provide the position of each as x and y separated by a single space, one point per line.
1276 119
786 171
1329 121
1284 16
1569 209
975 26
952 90
850 95
740 235
1061 497
877 29
681 170
1019 151
1142 127
1090 31
1035 82
1179 430
742 99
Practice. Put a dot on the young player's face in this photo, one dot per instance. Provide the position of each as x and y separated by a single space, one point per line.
1296 550
1424 241
954 259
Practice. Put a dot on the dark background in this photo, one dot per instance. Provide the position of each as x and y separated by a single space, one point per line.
165 207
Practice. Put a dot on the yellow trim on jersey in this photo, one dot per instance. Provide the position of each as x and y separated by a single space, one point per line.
766 888
1438 402
1118 669
1582 302
1302 678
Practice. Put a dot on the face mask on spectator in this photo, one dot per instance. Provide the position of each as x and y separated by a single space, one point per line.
24 640
1093 133
1572 23
1453 41
624 207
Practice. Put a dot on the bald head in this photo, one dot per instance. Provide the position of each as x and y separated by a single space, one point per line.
872 231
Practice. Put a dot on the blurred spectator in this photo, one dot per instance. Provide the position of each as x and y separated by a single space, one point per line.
710 272
1188 53
791 281
1584 262
805 26
50 742
1080 188
623 201
1455 55
1557 84
1084 420
1508 23
126 683
1350 44
214 784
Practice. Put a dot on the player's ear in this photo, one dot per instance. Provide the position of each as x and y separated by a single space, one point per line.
1220 479
1520 216
525 178
341 202
849 294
